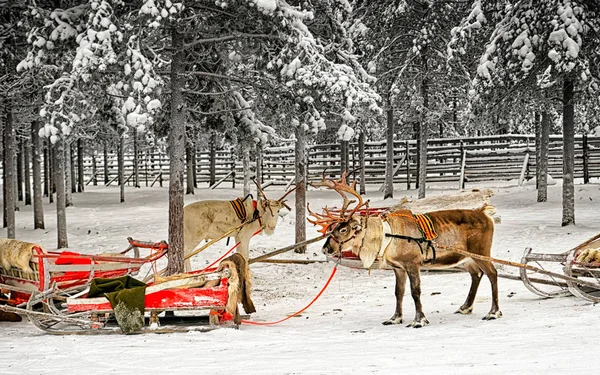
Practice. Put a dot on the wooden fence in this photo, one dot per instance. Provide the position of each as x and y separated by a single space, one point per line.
464 161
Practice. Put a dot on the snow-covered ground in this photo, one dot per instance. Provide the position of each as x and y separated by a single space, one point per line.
341 333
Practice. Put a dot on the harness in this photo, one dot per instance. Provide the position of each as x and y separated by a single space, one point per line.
426 227
240 211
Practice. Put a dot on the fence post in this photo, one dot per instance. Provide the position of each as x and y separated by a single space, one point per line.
586 171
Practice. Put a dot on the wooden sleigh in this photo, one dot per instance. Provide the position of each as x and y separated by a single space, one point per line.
581 274
195 301
89 316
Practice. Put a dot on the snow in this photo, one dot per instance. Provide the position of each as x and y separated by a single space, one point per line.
341 333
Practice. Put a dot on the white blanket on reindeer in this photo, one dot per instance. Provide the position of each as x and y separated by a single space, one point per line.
471 199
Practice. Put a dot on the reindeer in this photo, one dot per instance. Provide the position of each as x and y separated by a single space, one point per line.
396 240
211 219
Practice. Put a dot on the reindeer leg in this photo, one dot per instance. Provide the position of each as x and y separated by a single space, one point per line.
476 275
415 290
492 274
400 286
243 248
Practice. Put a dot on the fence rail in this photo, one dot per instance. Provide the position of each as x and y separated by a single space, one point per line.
463 161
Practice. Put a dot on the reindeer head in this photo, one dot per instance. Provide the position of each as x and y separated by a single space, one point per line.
342 226
270 209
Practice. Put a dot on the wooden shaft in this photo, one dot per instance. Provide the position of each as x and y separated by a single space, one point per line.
286 249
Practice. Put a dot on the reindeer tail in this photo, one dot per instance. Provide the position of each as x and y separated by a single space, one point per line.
488 209
247 291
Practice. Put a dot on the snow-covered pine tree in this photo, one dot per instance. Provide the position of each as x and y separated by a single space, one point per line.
533 46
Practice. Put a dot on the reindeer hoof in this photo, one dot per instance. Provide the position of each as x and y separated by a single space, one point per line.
393 320
418 323
464 310
493 316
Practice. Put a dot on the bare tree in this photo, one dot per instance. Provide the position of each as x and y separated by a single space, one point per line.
61 202
38 208
10 197
176 155
300 188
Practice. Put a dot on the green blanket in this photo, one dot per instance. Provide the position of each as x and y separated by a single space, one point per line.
127 298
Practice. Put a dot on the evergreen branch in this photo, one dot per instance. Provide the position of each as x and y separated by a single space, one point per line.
226 38
197 111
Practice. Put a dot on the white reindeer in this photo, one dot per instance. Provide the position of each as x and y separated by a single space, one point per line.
211 219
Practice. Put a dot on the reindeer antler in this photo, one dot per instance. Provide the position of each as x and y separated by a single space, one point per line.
261 193
342 187
324 221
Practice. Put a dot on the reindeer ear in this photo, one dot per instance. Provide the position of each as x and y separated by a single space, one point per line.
357 227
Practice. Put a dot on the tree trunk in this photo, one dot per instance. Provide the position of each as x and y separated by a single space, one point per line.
26 159
38 208
59 177
20 172
388 191
10 198
300 160
568 203
47 178
542 184
344 158
105 163
259 164
537 119
4 179
71 164
80 176
136 160
212 158
361 158
194 163
177 156
121 166
69 183
423 130
246 169
189 162
94 171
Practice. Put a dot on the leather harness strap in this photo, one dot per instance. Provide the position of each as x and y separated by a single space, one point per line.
426 227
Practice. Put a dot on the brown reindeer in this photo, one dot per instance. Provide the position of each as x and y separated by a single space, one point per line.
396 240
210 219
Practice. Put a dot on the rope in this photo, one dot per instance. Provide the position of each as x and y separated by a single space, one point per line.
299 312
228 252
226 234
